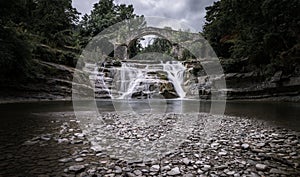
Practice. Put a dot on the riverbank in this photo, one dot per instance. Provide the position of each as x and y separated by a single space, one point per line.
53 144
5 100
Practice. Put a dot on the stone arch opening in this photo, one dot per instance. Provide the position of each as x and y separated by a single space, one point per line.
149 42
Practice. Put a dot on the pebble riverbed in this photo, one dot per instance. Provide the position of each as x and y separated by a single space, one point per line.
208 145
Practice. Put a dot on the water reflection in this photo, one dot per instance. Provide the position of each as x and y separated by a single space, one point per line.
280 113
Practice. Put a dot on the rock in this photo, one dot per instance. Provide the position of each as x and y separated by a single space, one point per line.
206 167
76 142
276 77
155 168
174 171
245 146
221 167
29 143
255 175
186 161
137 172
79 135
130 174
62 140
79 159
166 168
46 137
200 172
261 167
65 160
277 171
222 153
118 169
260 144
97 148
76 168
230 173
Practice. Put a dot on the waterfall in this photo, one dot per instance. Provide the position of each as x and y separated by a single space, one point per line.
138 79
98 80
175 72
138 76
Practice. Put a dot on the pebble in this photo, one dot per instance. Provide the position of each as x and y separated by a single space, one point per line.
206 167
222 153
230 172
245 146
118 169
79 159
174 171
65 160
277 171
137 172
186 161
155 168
261 167
76 168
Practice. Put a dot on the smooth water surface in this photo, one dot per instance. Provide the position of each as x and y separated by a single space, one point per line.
278 113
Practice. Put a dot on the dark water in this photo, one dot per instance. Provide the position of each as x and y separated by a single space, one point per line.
278 113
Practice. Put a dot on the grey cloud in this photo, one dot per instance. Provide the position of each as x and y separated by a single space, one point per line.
190 11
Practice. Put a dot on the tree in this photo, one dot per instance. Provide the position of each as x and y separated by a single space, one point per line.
56 21
249 29
104 14
159 45
28 24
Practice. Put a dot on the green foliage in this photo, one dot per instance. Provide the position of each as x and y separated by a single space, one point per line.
104 14
134 48
28 24
15 55
186 54
159 45
258 29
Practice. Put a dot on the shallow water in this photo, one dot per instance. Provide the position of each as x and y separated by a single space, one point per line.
277 113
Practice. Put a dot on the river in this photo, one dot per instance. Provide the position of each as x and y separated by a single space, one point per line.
284 114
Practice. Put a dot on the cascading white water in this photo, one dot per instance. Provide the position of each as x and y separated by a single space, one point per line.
175 72
97 79
135 77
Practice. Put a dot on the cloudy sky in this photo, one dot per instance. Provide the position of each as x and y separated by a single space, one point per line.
191 12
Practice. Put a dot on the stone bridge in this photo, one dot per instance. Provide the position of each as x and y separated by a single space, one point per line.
180 40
